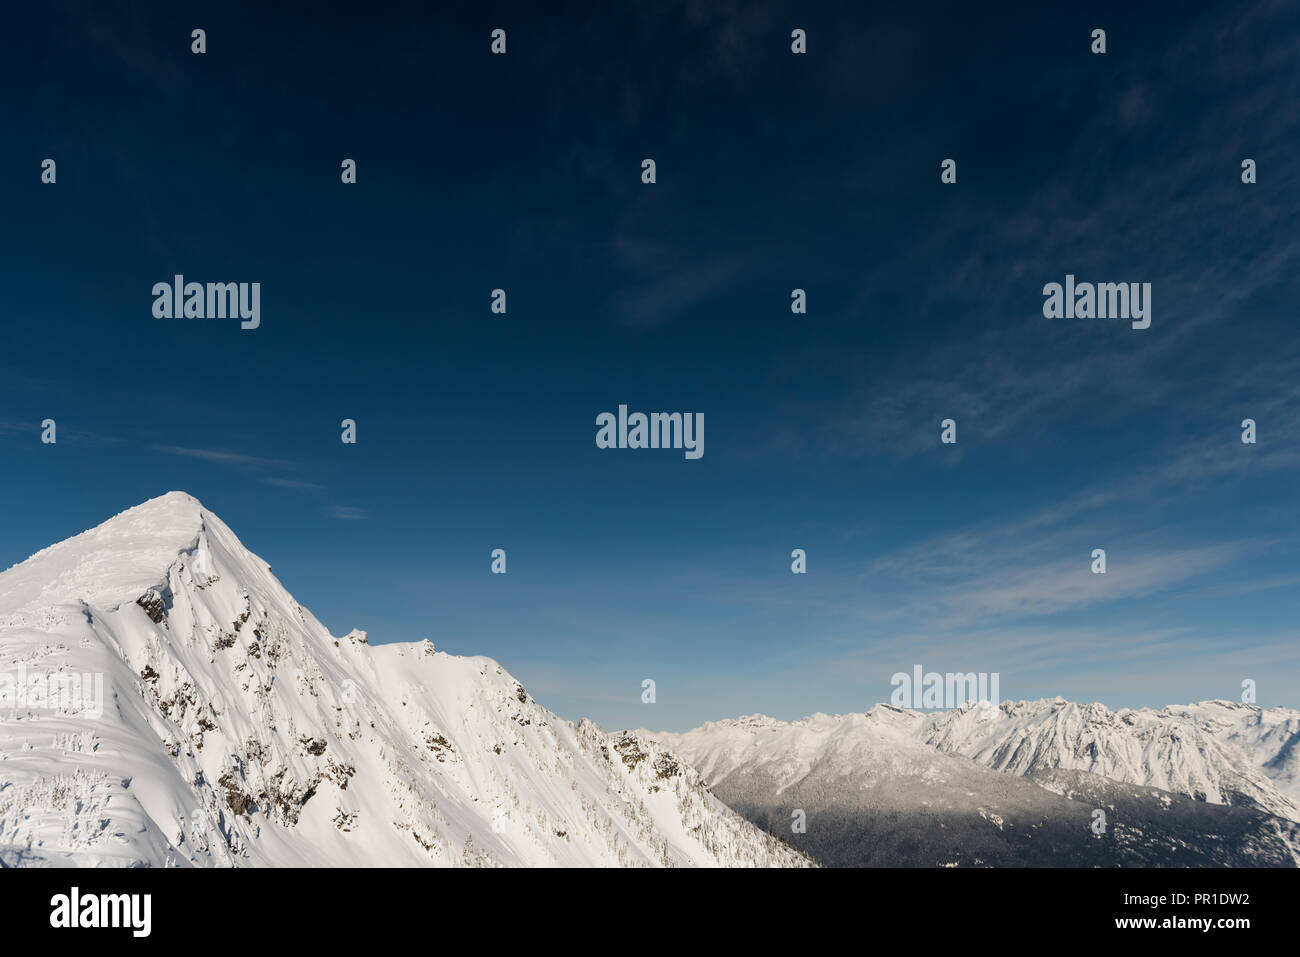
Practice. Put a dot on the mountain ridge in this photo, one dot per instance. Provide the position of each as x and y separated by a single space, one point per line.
237 731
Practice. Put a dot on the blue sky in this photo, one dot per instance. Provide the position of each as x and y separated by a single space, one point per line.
775 171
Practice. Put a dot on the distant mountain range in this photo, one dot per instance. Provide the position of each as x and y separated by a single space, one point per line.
1210 784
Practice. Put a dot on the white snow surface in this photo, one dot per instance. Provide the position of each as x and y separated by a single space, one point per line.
1220 752
237 731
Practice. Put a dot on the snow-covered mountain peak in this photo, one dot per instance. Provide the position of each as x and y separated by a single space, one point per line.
117 560
751 721
234 729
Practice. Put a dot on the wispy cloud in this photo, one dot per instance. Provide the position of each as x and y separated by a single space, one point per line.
1031 590
222 456
346 512
291 483
1012 371
254 465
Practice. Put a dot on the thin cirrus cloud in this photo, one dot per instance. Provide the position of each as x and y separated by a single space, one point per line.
222 456
1037 532
253 465
1082 218
1066 584
1034 566
291 483
349 513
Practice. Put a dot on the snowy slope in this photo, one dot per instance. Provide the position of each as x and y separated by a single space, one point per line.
1270 737
237 731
